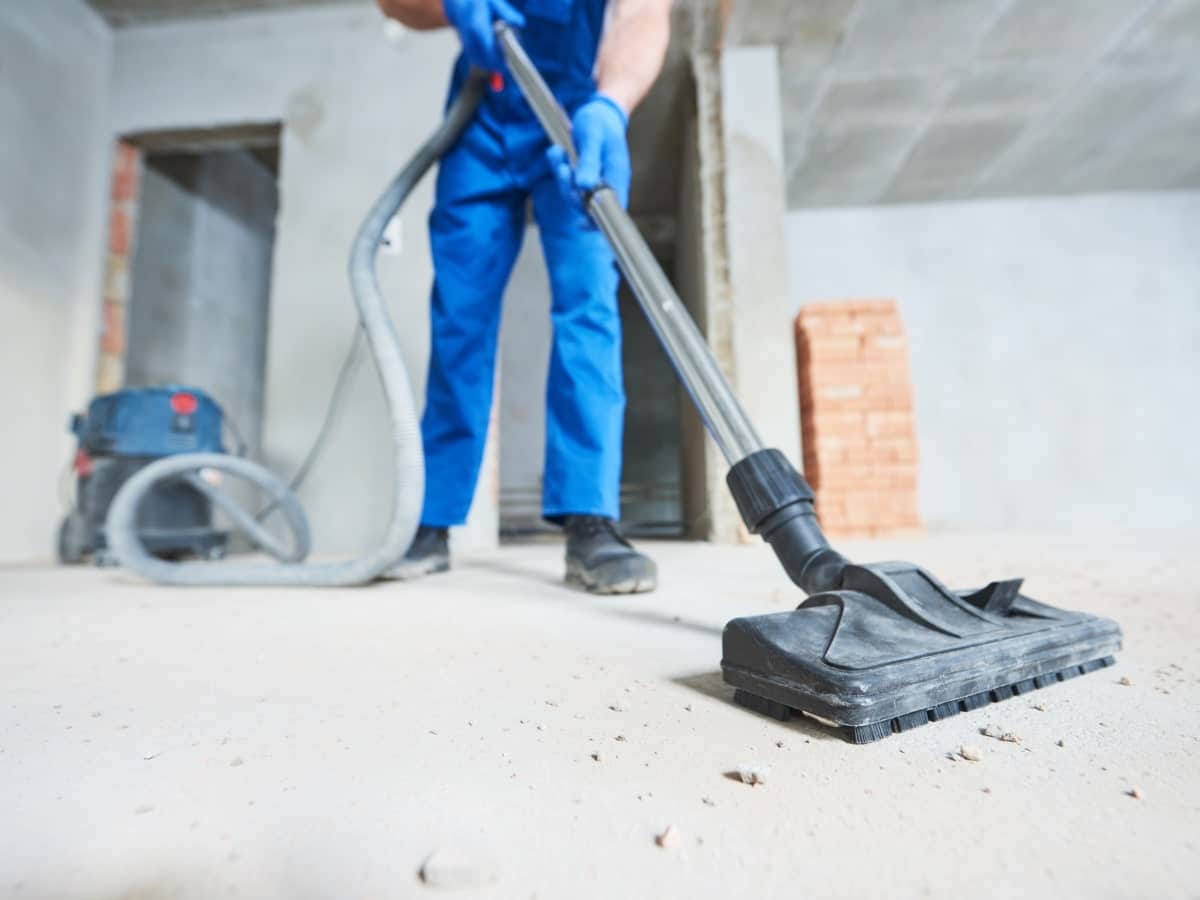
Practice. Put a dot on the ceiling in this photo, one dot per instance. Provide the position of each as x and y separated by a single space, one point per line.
921 100
891 101
142 12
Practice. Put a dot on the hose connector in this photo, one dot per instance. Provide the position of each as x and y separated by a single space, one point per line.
777 503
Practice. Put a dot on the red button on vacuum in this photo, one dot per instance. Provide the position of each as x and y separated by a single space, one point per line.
184 404
497 82
83 463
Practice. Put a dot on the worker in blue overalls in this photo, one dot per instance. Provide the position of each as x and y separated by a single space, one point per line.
599 57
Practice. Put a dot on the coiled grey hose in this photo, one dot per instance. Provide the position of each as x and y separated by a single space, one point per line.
409 465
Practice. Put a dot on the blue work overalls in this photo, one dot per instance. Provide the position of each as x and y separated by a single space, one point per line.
475 232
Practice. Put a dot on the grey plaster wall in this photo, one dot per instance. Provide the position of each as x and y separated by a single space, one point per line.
764 365
202 278
54 178
1055 349
356 98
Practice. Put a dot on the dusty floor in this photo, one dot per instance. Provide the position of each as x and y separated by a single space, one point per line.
261 744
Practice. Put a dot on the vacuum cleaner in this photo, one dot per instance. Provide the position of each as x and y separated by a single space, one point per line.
121 433
876 649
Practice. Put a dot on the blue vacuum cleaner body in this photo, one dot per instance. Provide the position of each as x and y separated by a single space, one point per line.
123 432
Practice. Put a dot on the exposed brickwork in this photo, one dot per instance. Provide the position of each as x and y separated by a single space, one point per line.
126 179
112 338
856 410
120 228
126 174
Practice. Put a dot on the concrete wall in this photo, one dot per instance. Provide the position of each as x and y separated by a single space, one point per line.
54 181
202 278
693 280
731 266
354 106
524 359
1055 350
764 364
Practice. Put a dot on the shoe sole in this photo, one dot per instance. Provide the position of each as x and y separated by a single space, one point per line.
617 577
412 569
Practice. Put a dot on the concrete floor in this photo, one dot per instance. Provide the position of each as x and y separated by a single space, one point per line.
201 743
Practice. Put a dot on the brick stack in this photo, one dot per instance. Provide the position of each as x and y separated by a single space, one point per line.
856 409
126 178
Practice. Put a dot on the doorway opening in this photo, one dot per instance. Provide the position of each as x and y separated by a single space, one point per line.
653 455
661 483
652 469
199 270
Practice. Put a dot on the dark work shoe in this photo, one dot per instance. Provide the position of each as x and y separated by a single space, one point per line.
600 560
428 553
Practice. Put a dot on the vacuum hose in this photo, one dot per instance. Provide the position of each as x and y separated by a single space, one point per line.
409 464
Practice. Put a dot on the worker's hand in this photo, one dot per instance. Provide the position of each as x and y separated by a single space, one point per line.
598 128
473 20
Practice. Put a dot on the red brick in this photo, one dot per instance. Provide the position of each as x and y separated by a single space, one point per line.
127 157
896 386
835 422
836 309
112 339
889 423
876 324
860 401
892 346
126 173
828 445
896 450
826 327
880 479
120 232
856 416
830 347
842 308
875 372
823 374
849 369
839 390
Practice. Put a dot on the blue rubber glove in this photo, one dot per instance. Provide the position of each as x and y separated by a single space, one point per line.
598 128
473 19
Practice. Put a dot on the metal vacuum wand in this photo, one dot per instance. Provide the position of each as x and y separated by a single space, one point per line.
773 498
723 415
